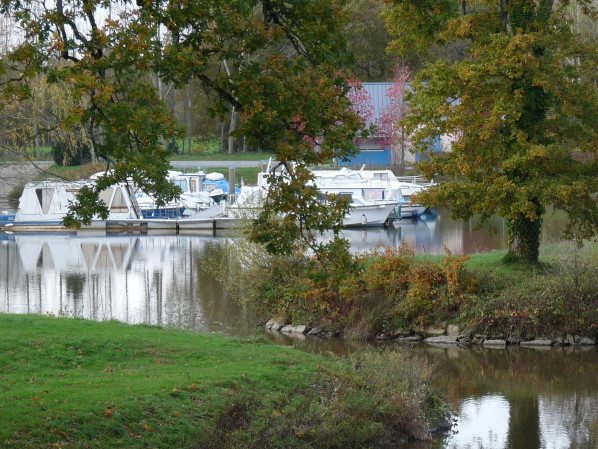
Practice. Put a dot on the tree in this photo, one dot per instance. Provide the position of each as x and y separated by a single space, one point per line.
367 39
391 118
523 105
284 82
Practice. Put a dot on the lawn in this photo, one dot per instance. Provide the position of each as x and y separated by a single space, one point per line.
83 384
70 383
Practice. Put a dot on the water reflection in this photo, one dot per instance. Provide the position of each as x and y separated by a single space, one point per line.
482 422
436 233
430 234
517 398
135 279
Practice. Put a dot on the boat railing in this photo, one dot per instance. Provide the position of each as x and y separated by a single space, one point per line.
416 179
133 198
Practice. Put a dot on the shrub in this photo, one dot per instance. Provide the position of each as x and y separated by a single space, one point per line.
71 154
562 298
369 400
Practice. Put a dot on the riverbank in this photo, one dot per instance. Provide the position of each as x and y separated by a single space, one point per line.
75 383
395 295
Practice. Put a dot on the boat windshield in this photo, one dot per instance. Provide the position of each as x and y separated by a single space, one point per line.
182 183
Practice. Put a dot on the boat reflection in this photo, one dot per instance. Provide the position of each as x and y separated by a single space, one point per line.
429 234
156 280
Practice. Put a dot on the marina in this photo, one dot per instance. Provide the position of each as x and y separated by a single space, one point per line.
207 202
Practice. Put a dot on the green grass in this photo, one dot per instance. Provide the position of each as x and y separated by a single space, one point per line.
248 156
208 149
248 174
79 384
85 384
71 173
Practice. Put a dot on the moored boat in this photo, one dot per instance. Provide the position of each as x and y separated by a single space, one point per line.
410 186
363 212
44 204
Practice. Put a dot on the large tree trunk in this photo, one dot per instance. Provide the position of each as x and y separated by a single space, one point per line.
524 237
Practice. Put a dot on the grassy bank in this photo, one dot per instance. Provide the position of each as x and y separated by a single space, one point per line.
246 174
392 292
80 384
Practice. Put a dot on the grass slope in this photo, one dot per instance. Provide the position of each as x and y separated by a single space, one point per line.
69 383
77 383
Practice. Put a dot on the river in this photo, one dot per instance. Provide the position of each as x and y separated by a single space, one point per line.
508 398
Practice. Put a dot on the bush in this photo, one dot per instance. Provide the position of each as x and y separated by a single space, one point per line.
562 299
369 400
71 154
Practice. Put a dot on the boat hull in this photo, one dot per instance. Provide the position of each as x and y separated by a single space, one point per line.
370 215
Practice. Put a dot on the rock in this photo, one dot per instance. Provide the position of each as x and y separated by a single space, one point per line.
442 339
315 331
538 342
429 331
274 325
410 339
570 339
452 330
495 342
585 341
289 329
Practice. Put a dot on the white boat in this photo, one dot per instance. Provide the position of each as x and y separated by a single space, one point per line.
146 204
193 197
346 180
44 204
363 211
216 186
409 186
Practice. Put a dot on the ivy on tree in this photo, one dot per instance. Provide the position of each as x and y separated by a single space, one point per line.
522 108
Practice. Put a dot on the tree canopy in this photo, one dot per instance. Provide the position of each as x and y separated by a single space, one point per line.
521 106
277 63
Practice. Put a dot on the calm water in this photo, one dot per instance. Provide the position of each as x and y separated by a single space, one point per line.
516 398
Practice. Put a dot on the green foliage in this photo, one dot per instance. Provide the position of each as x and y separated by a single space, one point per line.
560 297
67 155
277 64
360 295
520 105
370 400
367 40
